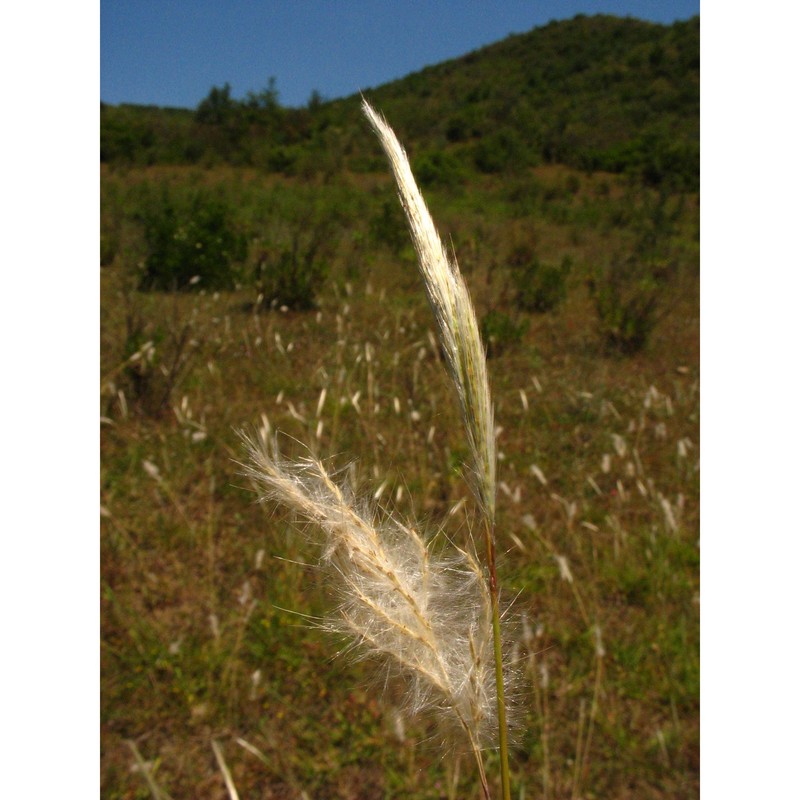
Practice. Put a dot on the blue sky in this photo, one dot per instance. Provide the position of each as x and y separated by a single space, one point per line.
171 52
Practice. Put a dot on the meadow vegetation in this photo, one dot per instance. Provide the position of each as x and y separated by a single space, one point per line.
274 280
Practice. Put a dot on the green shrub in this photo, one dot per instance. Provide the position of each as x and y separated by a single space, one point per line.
281 159
293 268
190 242
499 332
538 287
629 292
524 195
109 244
626 298
500 151
387 227
438 168
465 124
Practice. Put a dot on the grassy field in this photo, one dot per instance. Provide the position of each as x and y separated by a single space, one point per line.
204 592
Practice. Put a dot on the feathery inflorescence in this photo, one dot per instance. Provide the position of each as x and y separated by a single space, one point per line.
455 318
428 616
432 618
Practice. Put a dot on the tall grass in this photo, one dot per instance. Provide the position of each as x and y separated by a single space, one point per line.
432 619
465 358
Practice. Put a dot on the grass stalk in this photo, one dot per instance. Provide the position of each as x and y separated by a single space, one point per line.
465 358
598 677
143 767
226 773
545 713
432 619
505 776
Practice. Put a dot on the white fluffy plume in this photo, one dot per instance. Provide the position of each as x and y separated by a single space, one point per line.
426 616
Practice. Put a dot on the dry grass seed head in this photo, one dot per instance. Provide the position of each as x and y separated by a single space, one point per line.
425 615
454 315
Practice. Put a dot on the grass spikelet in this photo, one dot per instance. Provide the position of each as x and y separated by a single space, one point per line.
426 616
455 318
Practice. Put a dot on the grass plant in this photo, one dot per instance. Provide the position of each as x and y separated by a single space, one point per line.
435 620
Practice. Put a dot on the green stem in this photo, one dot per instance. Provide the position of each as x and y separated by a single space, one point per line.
498 662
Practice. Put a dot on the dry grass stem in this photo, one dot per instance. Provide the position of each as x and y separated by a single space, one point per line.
146 771
465 357
226 773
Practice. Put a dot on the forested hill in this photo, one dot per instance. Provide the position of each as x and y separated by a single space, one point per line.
595 92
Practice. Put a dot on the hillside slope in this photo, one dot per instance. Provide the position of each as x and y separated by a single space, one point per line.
592 92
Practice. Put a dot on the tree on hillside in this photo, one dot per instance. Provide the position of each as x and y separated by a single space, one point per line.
218 107
266 99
